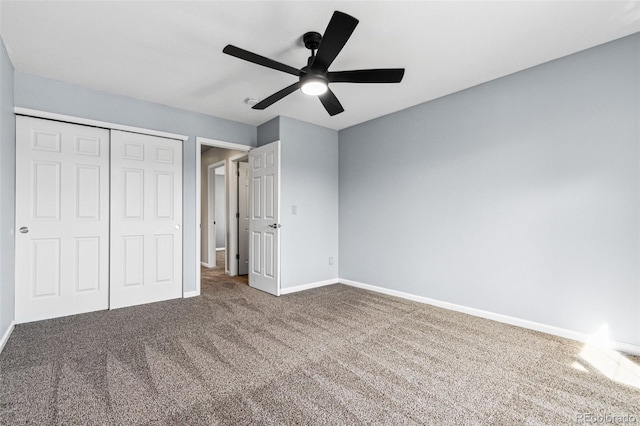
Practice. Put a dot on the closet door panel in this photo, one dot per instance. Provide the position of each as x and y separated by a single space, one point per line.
62 219
146 219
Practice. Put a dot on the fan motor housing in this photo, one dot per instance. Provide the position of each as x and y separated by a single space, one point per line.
313 75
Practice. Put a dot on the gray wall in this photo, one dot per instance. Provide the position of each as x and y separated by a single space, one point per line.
7 191
64 98
519 196
269 131
309 163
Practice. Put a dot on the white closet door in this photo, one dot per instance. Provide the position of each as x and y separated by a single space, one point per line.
146 219
62 219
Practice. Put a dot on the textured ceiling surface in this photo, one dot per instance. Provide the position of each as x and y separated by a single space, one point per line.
171 52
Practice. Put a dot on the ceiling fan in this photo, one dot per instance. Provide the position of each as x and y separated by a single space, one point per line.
314 78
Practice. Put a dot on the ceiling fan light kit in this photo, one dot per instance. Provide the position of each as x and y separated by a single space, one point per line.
314 85
314 78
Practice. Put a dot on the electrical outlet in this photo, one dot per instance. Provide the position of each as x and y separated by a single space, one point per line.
294 209
331 261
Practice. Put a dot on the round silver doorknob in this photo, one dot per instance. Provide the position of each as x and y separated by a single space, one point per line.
177 226
24 230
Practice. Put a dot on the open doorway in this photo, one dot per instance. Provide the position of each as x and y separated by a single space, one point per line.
213 215
217 207
261 197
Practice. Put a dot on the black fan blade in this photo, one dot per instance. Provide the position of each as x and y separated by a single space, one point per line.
260 60
389 75
335 36
331 103
277 96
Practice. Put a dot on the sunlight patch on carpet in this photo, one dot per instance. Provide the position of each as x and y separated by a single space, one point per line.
609 362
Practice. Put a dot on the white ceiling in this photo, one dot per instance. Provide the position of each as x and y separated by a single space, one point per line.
171 52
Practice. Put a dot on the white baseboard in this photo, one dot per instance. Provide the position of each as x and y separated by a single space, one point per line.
206 265
6 335
549 329
220 249
188 294
288 290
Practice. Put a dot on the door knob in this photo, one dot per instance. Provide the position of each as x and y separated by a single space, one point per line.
24 230
275 226
177 226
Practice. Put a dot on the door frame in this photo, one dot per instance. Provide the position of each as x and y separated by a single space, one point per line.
235 170
211 214
232 222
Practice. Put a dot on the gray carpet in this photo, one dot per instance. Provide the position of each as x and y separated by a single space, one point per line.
333 355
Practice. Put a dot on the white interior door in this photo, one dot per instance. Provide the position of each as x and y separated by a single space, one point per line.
264 218
211 219
146 219
62 218
243 218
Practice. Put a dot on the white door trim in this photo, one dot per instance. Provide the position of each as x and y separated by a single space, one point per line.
218 144
222 144
95 123
243 216
231 188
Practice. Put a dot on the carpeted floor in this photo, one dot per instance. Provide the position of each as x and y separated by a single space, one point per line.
333 355
213 275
